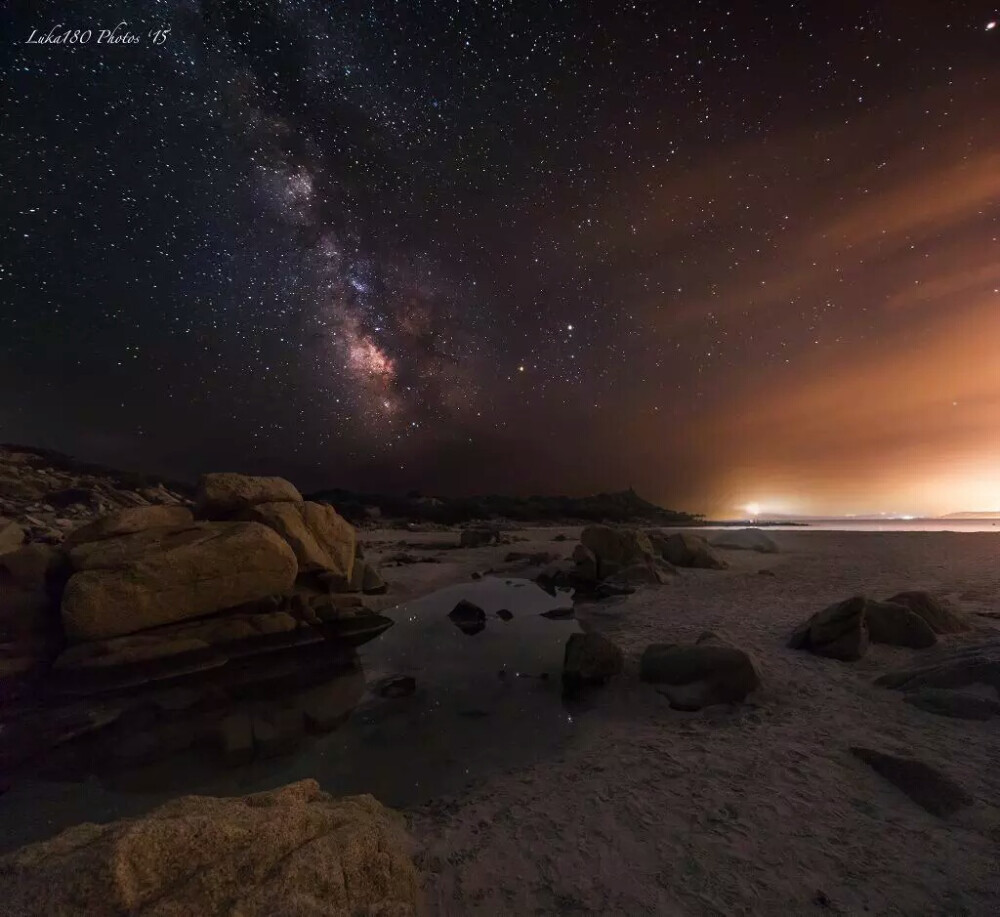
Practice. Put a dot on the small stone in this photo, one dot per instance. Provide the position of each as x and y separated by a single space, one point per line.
504 615
926 786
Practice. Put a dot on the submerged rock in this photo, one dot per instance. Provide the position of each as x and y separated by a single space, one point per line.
294 850
926 786
839 632
468 618
590 659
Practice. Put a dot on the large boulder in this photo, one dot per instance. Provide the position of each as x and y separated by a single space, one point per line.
926 786
128 521
175 639
683 549
160 576
839 632
323 541
745 540
291 851
11 535
615 548
940 619
897 625
589 659
699 675
221 495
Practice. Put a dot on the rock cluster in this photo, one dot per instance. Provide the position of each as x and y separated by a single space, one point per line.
149 594
294 850
844 630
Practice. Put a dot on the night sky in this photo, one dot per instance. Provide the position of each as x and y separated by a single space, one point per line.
721 252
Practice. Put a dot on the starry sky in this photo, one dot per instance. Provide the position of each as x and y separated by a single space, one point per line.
725 253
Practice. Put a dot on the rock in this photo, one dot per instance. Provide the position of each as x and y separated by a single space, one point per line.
954 704
940 619
477 538
561 537
372 582
324 707
839 632
294 850
71 496
685 550
322 540
972 665
397 686
615 548
586 562
276 731
766 572
696 676
468 618
532 558
505 614
160 576
896 625
745 540
590 659
223 495
926 786
11 535
128 521
175 639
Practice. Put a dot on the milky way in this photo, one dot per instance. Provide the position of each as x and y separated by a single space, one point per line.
722 253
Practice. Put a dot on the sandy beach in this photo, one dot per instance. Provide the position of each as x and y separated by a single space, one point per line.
628 806
758 809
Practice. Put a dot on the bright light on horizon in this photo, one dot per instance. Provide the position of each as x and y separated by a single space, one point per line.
753 509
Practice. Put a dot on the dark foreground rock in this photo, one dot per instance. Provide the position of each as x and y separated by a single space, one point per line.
926 786
295 850
939 618
590 659
971 665
838 632
896 625
699 675
955 704
468 617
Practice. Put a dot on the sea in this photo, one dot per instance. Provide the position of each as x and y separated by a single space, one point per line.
878 525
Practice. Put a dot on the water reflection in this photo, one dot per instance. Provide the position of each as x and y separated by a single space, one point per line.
416 713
